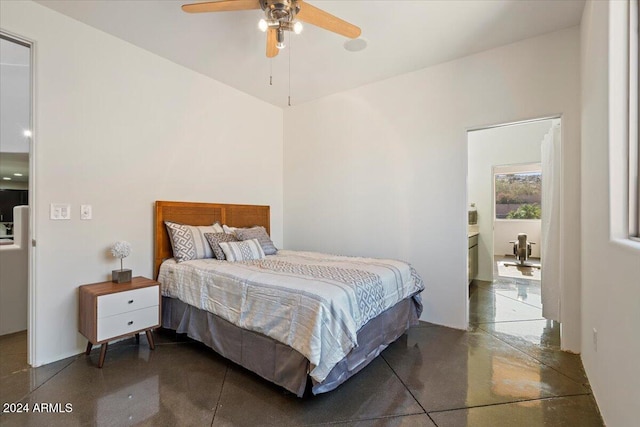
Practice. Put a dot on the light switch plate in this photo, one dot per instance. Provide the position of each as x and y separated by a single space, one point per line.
60 211
85 212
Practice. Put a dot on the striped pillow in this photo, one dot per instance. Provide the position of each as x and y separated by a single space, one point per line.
188 241
259 233
246 250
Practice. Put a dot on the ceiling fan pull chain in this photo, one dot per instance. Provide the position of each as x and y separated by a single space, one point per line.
270 72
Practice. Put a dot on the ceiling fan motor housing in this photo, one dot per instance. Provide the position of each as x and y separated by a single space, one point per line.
280 10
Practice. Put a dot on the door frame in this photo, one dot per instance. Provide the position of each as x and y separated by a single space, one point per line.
561 187
31 273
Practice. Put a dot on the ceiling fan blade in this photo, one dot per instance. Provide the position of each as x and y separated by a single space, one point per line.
318 17
221 6
272 50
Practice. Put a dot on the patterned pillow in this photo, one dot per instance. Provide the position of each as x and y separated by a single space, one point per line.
259 233
242 251
214 240
188 241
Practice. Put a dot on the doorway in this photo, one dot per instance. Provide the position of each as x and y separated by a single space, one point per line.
16 194
508 166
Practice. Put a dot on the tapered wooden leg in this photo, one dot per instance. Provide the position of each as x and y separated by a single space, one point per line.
89 347
152 346
137 338
103 353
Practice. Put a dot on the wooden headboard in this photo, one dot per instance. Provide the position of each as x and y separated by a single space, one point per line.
202 214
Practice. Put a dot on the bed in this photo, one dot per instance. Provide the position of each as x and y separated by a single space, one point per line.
304 321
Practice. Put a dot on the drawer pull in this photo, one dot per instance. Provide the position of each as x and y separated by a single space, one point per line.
130 301
130 322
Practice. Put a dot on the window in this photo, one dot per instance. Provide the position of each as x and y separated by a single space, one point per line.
518 195
634 115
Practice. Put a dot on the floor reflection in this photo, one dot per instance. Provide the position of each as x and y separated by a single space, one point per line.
510 310
129 405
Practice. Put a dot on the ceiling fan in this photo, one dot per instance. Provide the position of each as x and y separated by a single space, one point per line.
280 16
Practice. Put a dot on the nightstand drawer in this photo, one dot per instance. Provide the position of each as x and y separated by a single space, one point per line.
123 302
128 323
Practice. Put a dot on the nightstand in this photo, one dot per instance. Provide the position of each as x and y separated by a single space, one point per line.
109 311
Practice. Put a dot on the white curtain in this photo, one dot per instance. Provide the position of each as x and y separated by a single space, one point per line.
550 254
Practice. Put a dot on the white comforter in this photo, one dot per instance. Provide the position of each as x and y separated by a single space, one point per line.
315 303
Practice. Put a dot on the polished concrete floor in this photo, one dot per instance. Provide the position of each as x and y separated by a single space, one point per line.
506 370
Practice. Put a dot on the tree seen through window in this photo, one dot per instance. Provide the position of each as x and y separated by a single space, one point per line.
519 195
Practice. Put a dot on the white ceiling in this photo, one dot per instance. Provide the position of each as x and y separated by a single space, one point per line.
402 36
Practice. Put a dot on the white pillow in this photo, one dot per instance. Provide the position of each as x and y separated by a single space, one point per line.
246 250
229 230
188 241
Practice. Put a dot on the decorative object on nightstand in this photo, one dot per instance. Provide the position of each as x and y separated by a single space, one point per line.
473 214
110 311
121 250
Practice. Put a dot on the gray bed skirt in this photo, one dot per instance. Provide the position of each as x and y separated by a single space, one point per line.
278 362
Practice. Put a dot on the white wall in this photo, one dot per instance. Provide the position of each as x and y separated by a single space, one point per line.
611 264
382 169
506 145
118 128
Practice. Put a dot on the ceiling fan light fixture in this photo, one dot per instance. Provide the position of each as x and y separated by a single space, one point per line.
280 38
298 27
265 24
